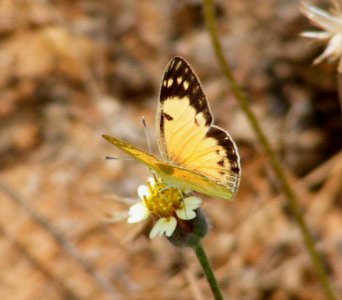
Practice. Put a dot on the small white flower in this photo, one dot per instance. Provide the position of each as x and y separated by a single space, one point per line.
331 23
165 204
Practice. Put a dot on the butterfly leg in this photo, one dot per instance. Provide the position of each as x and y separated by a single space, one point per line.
182 195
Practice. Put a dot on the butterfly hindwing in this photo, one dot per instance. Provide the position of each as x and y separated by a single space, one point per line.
185 132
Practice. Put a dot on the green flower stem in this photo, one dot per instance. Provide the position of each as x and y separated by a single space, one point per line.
275 164
208 271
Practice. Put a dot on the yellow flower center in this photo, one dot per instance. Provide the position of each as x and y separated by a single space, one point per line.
163 200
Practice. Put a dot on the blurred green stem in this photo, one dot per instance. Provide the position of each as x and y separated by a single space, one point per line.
274 162
209 274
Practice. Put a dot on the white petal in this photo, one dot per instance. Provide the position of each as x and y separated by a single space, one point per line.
164 225
143 191
190 204
185 213
137 213
333 50
319 35
321 18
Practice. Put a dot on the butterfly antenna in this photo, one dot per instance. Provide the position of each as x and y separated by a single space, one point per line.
146 133
117 158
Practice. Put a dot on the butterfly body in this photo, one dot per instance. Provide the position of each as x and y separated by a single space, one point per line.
196 154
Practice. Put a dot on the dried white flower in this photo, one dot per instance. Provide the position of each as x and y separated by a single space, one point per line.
331 23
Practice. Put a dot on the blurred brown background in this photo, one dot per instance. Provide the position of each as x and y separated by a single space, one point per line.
73 70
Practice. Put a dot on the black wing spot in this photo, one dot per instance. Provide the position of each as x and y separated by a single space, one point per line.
235 168
167 116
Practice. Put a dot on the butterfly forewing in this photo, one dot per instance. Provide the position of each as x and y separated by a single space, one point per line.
185 132
175 175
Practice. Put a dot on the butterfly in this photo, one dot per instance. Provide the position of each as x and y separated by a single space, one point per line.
196 154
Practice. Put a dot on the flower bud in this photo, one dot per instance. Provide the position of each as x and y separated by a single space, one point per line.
189 233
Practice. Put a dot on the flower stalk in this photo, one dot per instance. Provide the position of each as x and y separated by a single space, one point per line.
274 162
209 274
